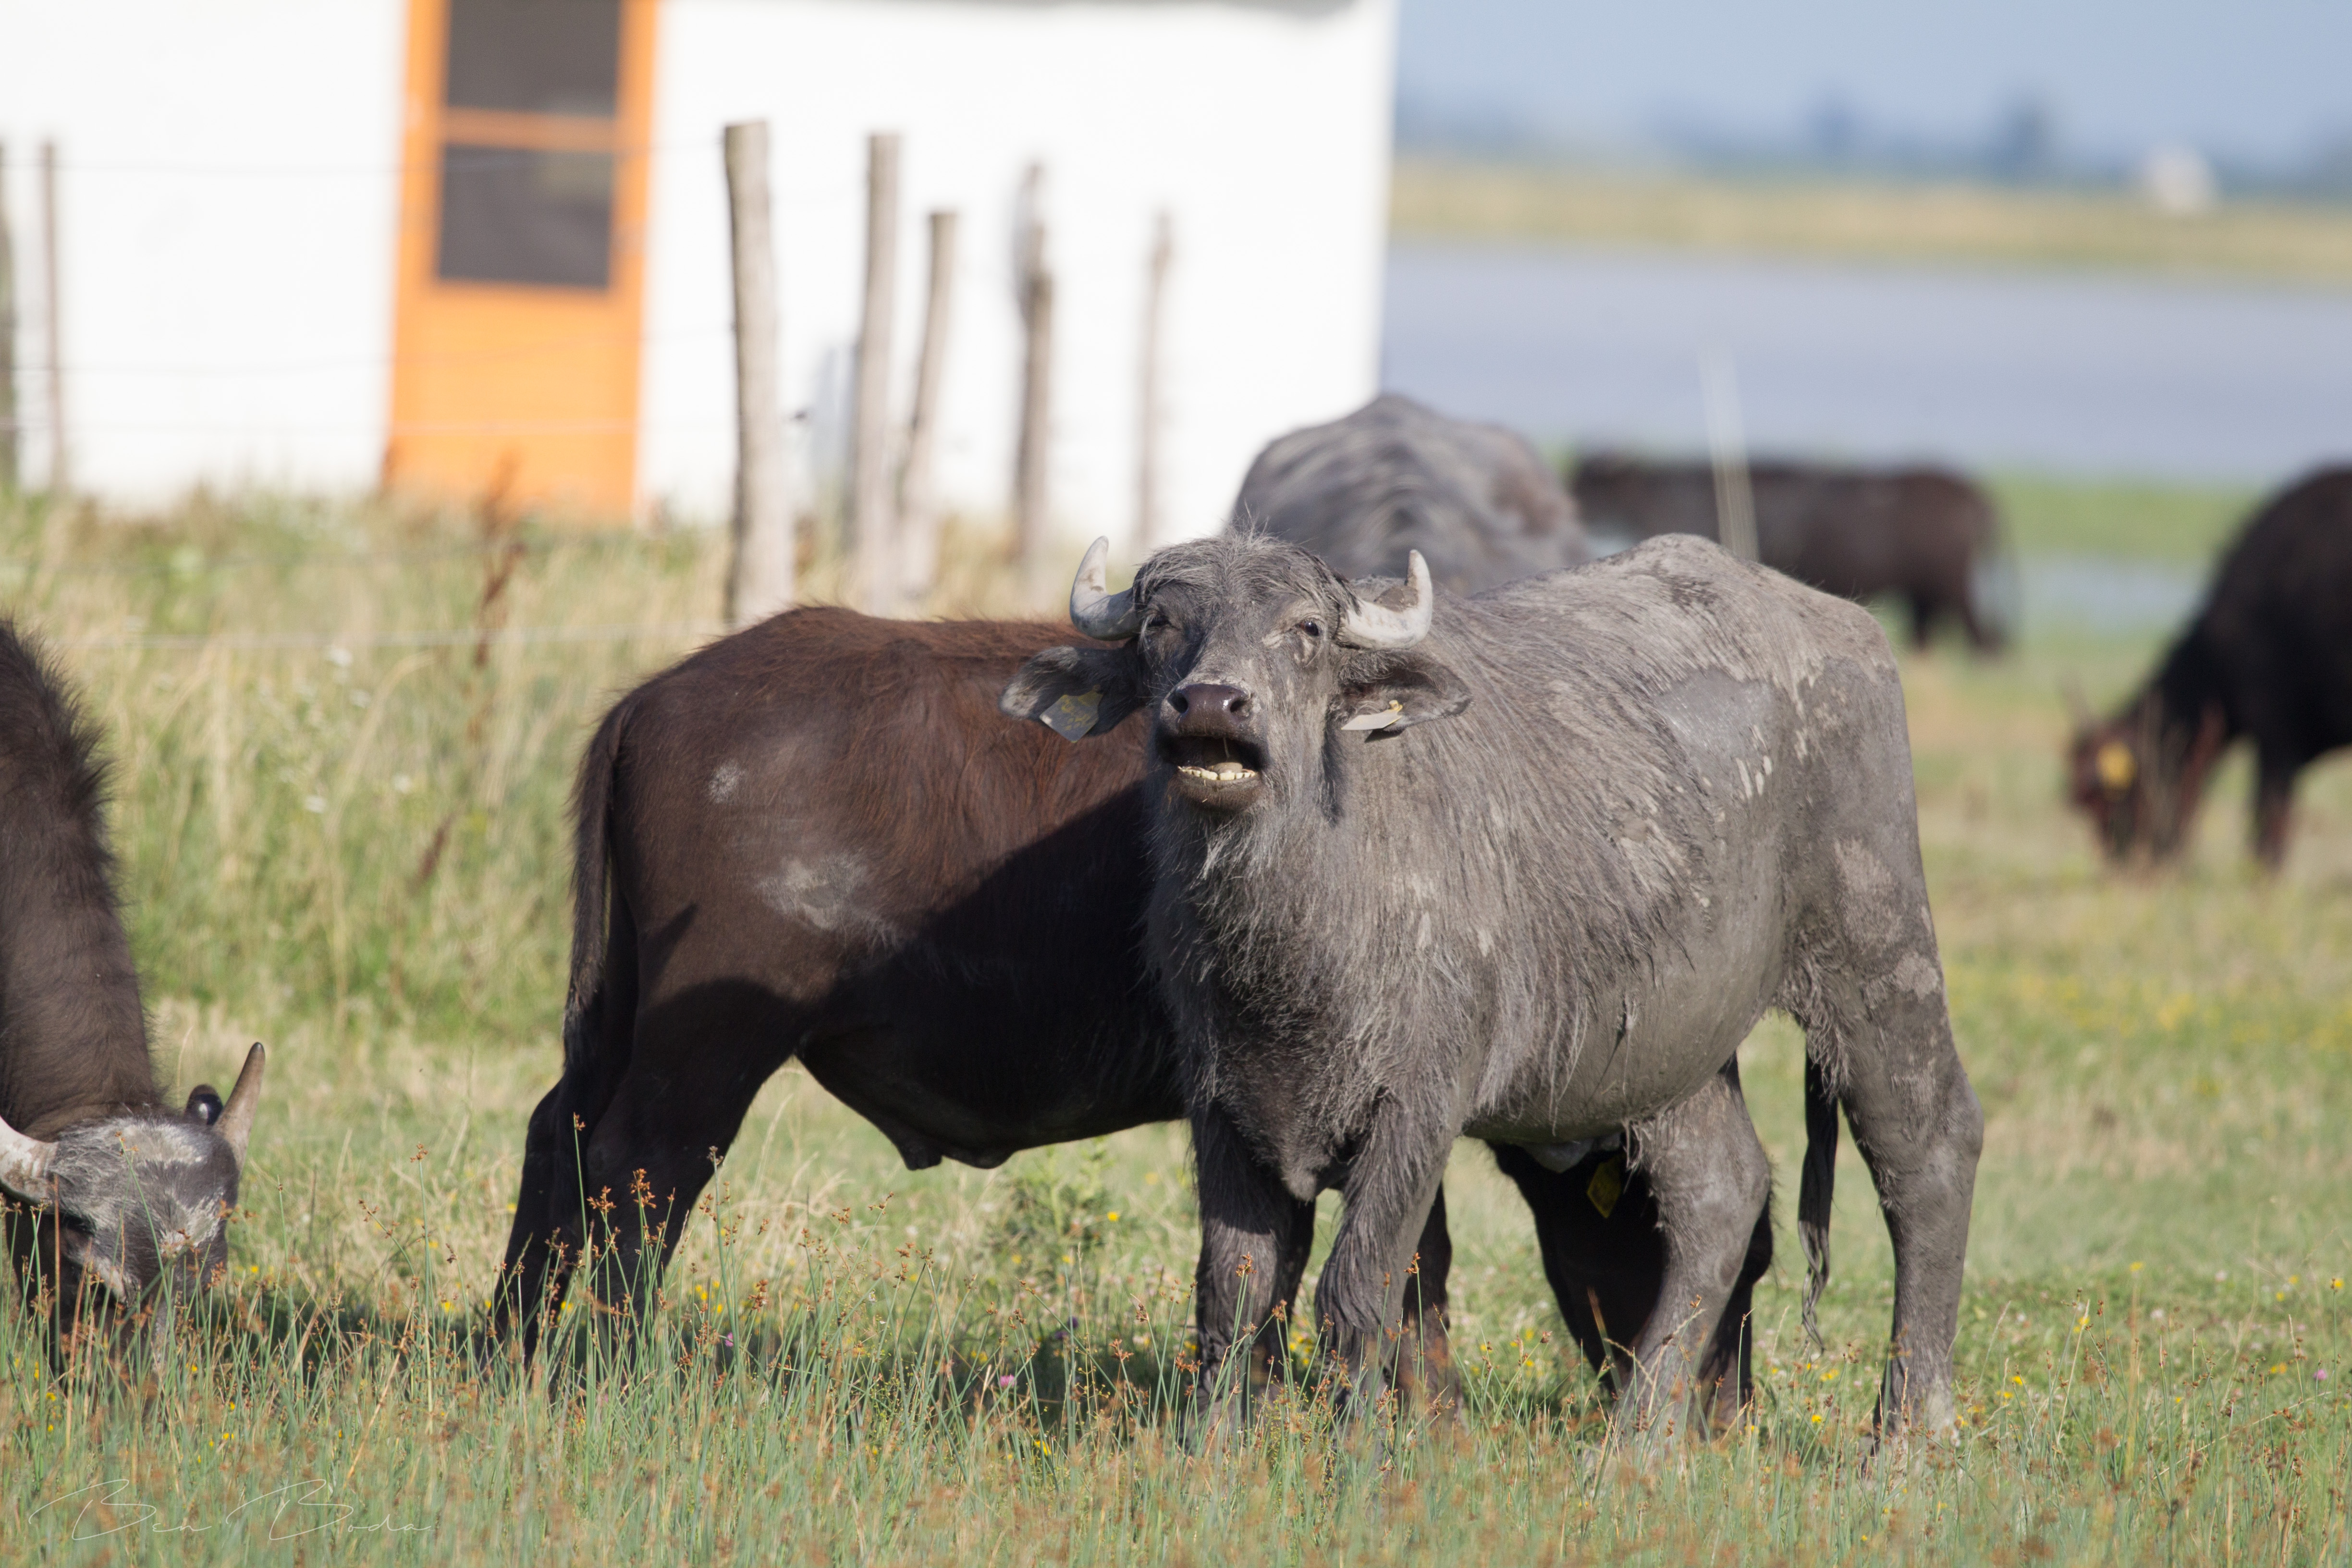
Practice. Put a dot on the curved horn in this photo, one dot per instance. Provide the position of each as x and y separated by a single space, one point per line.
235 1123
1369 624
25 1164
1093 608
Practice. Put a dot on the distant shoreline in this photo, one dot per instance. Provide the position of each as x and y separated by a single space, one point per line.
1433 198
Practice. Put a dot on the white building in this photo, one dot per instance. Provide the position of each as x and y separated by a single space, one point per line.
320 243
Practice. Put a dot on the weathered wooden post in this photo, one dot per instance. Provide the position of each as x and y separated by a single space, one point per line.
873 580
760 567
1034 281
60 471
1146 434
7 338
918 508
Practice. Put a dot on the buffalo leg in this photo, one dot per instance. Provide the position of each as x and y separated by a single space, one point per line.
1423 1373
1711 1181
2273 806
1391 1186
1918 1127
551 1218
698 1063
1255 1239
544 1239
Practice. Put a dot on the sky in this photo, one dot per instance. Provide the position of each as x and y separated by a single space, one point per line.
2254 81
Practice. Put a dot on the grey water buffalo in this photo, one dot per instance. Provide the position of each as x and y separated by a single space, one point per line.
1926 535
1393 476
817 839
120 1203
1528 867
2268 658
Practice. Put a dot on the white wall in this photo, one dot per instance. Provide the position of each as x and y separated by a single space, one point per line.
230 200
228 197
1263 128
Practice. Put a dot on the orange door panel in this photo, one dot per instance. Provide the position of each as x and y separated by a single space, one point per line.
521 264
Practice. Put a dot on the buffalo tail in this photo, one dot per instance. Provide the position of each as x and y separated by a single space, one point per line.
1814 1192
591 800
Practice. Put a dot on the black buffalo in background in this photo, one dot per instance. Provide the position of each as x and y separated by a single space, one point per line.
2268 657
1929 536
1477 502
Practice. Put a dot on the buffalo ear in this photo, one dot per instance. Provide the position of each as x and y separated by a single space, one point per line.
1397 691
1075 691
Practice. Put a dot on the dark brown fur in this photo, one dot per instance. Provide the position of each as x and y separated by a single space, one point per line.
1924 535
2269 659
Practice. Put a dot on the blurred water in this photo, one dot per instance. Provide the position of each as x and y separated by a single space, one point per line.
2085 373
2096 595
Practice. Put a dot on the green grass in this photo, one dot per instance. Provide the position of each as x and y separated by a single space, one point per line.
2176 525
1872 220
970 1366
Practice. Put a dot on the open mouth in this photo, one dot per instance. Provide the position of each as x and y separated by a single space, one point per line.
1214 768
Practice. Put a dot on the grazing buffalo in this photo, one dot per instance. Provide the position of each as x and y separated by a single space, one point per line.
816 839
1528 867
1394 476
2268 657
122 1203
1931 537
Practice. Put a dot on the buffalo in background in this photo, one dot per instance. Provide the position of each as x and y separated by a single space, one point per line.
2269 658
1928 536
1393 476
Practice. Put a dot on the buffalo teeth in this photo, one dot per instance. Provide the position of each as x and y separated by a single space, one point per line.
1218 773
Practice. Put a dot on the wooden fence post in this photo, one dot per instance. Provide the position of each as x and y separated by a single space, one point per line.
759 566
7 338
919 507
1034 278
1146 436
60 472
873 564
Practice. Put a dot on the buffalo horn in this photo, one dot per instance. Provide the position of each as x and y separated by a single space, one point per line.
1093 608
1375 625
25 1164
235 1124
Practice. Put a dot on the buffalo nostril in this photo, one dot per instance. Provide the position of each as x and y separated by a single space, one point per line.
1209 699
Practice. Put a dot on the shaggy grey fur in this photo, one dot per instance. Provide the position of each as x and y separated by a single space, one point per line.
1618 813
1474 499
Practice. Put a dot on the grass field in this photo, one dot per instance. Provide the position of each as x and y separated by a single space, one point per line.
1870 219
353 849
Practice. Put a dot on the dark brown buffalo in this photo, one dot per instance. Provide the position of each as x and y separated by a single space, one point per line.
1928 536
2269 658
120 1203
818 838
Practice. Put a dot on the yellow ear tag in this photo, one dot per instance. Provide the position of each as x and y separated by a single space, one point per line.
1608 1184
2117 766
1073 717
1383 719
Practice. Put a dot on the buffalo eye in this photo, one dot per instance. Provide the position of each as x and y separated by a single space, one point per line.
1312 628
